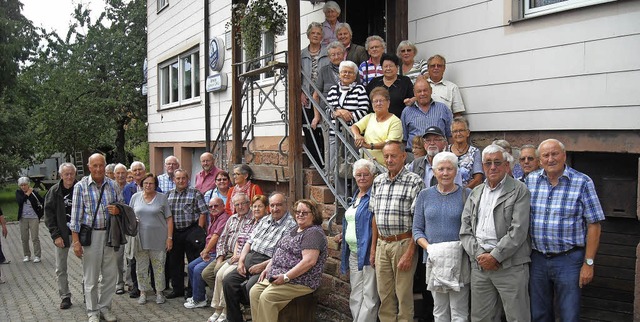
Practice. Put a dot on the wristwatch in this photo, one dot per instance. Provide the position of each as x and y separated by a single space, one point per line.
588 261
286 278
371 146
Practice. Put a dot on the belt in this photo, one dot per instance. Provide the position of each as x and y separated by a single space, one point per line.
103 228
397 237
566 252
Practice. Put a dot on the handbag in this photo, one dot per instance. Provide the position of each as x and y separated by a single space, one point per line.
86 230
196 236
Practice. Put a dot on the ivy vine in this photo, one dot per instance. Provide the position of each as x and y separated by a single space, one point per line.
252 21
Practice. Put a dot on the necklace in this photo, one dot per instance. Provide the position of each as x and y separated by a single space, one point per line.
461 151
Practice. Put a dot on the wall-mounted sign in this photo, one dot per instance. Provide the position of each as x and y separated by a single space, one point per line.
216 82
216 54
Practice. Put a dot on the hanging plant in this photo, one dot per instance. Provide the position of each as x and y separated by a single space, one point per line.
252 21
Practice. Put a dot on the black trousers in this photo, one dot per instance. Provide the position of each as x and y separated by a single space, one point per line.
235 288
309 135
176 259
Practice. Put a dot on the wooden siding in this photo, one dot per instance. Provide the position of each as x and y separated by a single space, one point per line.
536 74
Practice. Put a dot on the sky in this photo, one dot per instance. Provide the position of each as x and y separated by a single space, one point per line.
56 14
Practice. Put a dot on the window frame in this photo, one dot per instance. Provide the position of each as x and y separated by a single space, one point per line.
166 80
161 4
265 78
522 8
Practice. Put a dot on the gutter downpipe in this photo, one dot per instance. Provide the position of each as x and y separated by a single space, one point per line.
207 107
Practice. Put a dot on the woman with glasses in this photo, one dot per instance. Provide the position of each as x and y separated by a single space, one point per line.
356 245
296 267
436 228
222 187
400 87
469 157
242 175
411 68
375 129
154 240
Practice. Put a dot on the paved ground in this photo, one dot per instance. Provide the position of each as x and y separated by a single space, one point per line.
30 292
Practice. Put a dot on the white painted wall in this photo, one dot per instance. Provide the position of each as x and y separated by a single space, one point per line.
573 70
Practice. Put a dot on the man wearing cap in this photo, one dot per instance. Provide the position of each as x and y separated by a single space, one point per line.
434 142
424 113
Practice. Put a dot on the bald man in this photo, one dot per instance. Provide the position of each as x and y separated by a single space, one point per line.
206 179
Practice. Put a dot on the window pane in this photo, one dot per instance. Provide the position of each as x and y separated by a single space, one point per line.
174 82
268 45
186 77
541 3
164 85
196 73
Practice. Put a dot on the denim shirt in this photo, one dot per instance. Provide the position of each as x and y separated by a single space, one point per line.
364 218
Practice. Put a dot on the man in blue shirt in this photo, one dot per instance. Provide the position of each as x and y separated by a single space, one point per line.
565 233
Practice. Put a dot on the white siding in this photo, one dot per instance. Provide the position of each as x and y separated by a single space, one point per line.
571 70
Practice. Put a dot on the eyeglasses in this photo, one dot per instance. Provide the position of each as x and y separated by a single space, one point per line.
237 174
523 159
362 175
379 102
302 213
375 47
436 65
218 206
432 140
222 179
148 183
172 164
459 131
346 72
408 50
489 164
240 204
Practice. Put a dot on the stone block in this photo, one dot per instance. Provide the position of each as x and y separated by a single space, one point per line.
322 194
312 177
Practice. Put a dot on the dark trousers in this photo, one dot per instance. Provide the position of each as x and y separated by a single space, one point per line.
309 136
176 259
235 288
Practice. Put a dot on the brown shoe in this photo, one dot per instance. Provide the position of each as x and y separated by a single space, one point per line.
66 303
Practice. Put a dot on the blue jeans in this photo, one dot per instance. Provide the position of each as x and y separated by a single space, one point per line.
559 275
198 285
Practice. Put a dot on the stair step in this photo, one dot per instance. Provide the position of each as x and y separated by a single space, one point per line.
312 177
321 194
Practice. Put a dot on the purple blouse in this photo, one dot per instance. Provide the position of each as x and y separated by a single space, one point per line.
289 253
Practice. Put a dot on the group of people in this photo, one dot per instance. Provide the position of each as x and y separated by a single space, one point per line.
230 233
519 248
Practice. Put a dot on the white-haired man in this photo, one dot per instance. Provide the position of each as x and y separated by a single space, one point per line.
165 180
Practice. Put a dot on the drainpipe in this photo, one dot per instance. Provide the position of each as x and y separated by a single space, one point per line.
207 107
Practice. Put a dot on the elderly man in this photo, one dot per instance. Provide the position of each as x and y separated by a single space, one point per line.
424 113
92 198
206 179
109 171
565 233
256 253
120 173
392 247
165 180
529 160
138 169
494 233
352 52
189 212
434 143
57 215
444 91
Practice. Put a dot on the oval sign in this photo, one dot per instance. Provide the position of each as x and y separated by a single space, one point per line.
216 54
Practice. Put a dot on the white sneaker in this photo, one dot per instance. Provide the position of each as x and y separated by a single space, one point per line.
143 298
108 316
222 318
191 304
36 259
214 317
25 259
160 298
94 318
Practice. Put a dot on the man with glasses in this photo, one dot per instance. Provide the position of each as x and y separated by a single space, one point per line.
256 253
444 91
494 233
434 142
529 160
189 212
165 180
424 113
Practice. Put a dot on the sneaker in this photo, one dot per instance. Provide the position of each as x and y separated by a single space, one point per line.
142 299
25 259
66 303
94 318
6 261
134 293
108 316
222 318
36 259
193 304
160 298
214 317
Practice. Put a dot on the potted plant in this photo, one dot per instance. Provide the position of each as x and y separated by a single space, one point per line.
254 19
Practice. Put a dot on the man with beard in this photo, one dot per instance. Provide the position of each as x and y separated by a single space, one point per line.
434 142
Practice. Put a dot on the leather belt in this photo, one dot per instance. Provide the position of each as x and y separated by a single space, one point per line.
397 237
566 252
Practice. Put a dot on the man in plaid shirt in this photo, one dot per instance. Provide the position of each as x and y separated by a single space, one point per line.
565 233
392 246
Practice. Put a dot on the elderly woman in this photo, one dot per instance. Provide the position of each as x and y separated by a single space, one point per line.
411 68
233 238
469 157
329 74
353 52
222 187
436 228
378 127
313 58
155 228
242 175
296 267
30 210
400 87
372 67
356 244
329 27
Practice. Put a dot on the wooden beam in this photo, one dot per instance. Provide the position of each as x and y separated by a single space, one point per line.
397 23
236 96
295 108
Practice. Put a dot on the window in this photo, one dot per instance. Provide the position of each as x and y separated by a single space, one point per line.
162 4
533 8
179 80
267 49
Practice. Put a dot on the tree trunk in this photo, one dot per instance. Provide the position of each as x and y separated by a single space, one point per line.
120 154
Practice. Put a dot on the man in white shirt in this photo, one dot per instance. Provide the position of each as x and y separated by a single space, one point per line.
444 91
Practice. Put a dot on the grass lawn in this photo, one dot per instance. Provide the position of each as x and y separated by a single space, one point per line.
8 201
